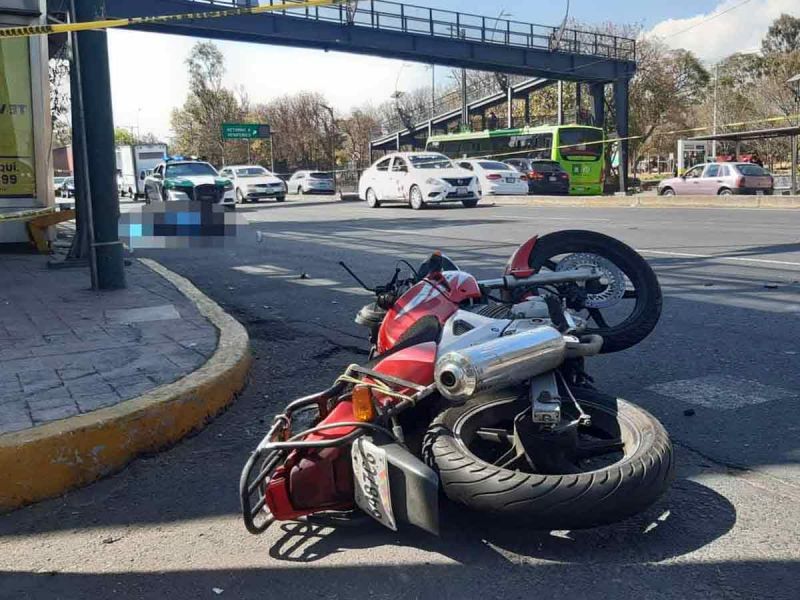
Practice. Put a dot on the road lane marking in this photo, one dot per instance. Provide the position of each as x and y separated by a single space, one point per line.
722 392
718 257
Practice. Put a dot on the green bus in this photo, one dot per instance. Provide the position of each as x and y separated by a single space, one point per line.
579 149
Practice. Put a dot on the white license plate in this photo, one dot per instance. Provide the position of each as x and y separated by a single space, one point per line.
510 180
462 191
759 192
371 476
552 178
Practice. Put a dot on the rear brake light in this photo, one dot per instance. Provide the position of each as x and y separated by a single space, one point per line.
563 176
535 176
523 178
493 177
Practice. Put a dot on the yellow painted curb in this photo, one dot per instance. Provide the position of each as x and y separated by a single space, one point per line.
46 461
772 202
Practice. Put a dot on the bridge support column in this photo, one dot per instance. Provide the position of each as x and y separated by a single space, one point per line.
527 109
510 107
464 102
96 92
578 102
621 104
560 102
598 93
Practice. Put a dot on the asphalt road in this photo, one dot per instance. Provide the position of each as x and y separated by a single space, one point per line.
727 348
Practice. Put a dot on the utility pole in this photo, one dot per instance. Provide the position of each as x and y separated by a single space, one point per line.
716 85
95 91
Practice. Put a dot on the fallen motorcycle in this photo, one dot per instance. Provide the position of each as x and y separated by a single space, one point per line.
478 389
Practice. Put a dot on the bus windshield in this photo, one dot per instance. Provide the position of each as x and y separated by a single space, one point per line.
581 143
430 161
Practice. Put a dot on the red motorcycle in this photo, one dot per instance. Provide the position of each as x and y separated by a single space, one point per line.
478 389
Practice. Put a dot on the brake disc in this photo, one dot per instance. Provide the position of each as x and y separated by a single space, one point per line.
612 279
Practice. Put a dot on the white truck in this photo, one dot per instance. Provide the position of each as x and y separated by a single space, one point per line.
134 164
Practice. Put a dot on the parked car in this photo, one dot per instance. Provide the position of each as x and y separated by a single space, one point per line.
545 177
311 182
251 183
188 179
497 178
723 179
418 179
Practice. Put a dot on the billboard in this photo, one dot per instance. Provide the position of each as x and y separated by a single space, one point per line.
17 171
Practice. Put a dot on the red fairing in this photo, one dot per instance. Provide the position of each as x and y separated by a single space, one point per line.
519 263
413 364
427 298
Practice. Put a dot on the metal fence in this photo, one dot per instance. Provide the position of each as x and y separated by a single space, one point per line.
421 20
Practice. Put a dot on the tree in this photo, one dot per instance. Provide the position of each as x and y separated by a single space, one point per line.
198 124
783 36
60 101
123 137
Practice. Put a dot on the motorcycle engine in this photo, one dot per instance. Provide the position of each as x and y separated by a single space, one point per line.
532 312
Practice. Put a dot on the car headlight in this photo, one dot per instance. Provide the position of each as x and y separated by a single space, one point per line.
228 185
434 181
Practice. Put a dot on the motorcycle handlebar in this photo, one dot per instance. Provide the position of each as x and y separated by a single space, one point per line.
508 282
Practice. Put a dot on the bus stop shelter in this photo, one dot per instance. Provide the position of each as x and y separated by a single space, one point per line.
760 134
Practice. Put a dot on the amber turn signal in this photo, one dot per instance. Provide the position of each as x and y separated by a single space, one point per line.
363 408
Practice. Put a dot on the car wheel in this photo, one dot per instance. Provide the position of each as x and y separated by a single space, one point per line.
415 198
725 192
239 197
280 198
300 191
372 199
667 192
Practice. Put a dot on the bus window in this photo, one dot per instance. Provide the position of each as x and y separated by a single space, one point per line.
583 143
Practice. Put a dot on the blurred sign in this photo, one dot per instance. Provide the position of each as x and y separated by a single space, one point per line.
17 175
245 131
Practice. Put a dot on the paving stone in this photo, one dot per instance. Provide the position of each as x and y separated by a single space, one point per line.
89 403
55 413
50 397
133 385
16 425
186 358
72 373
89 386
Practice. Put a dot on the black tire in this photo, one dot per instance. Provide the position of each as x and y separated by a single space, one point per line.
470 203
280 199
571 501
644 317
372 198
667 191
415 198
725 192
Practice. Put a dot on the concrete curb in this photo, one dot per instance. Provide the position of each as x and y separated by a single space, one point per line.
771 202
46 461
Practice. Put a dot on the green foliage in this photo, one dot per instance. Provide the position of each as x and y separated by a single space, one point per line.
783 36
123 137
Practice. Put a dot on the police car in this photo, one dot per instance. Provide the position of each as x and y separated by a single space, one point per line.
180 178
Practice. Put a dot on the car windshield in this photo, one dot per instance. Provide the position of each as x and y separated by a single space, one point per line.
430 161
581 142
752 170
321 175
190 169
69 180
494 166
252 172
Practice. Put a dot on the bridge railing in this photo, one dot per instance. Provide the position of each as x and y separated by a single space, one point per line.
395 16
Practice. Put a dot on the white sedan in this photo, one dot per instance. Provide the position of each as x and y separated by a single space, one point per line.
497 178
254 182
418 179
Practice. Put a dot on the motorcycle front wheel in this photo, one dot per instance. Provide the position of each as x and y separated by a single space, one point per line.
620 464
625 305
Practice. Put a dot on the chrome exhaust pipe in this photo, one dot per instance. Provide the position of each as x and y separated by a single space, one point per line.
499 363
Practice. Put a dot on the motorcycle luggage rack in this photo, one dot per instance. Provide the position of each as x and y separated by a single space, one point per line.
275 446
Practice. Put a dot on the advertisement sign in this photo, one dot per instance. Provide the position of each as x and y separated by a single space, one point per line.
17 171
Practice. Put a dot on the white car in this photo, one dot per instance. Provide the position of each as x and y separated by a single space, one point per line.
251 183
497 178
418 179
311 182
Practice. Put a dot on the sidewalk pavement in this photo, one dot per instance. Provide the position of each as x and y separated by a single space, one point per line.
66 350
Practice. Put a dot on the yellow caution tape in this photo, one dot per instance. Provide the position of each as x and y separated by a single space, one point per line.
13 32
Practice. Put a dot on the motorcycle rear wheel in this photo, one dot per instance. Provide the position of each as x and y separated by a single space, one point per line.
581 499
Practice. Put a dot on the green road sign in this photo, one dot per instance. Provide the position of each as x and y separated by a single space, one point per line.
245 131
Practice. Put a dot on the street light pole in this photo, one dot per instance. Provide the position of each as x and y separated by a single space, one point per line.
716 85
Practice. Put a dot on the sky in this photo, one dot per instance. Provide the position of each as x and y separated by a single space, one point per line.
148 74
